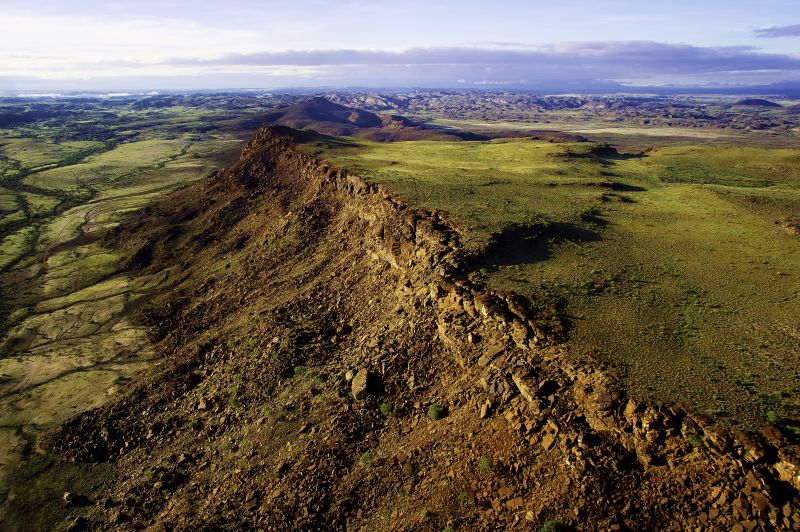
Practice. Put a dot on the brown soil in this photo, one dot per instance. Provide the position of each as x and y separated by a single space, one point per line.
792 225
327 367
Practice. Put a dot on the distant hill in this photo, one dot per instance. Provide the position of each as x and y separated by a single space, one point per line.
757 102
324 116
329 118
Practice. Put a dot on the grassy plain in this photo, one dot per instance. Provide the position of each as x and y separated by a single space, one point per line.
626 137
674 263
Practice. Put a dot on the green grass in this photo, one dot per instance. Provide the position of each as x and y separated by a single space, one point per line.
33 153
366 457
107 166
737 166
674 263
16 246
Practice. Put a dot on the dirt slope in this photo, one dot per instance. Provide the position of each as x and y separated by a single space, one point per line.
327 369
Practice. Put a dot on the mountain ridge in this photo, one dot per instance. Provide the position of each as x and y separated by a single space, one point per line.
309 283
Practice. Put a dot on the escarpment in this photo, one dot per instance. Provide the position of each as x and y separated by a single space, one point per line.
327 365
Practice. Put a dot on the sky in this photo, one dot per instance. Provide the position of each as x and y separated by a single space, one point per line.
176 44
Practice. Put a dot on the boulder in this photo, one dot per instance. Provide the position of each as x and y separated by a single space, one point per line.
360 385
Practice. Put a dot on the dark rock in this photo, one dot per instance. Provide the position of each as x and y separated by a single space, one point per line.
283 468
73 500
118 517
79 524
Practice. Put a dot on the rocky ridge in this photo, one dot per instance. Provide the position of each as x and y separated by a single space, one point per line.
328 366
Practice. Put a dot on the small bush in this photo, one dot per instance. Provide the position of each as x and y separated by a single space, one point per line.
366 458
773 417
299 371
437 412
695 440
551 526
194 424
386 409
233 396
485 464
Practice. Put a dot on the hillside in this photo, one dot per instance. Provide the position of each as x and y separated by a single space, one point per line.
327 366
757 102
329 118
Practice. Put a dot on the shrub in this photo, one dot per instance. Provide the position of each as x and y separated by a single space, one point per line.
233 395
366 458
485 464
695 440
551 526
437 412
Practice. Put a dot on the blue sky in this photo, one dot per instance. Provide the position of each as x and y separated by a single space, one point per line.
512 43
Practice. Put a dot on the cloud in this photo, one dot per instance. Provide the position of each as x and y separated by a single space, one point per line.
641 61
778 31
631 62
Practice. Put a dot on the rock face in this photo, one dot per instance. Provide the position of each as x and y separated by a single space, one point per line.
269 259
360 384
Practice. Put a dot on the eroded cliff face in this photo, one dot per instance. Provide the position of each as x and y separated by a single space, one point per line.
327 366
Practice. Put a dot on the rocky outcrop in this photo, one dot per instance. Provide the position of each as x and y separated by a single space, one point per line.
296 285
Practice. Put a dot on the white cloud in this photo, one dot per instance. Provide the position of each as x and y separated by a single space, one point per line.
103 46
125 38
